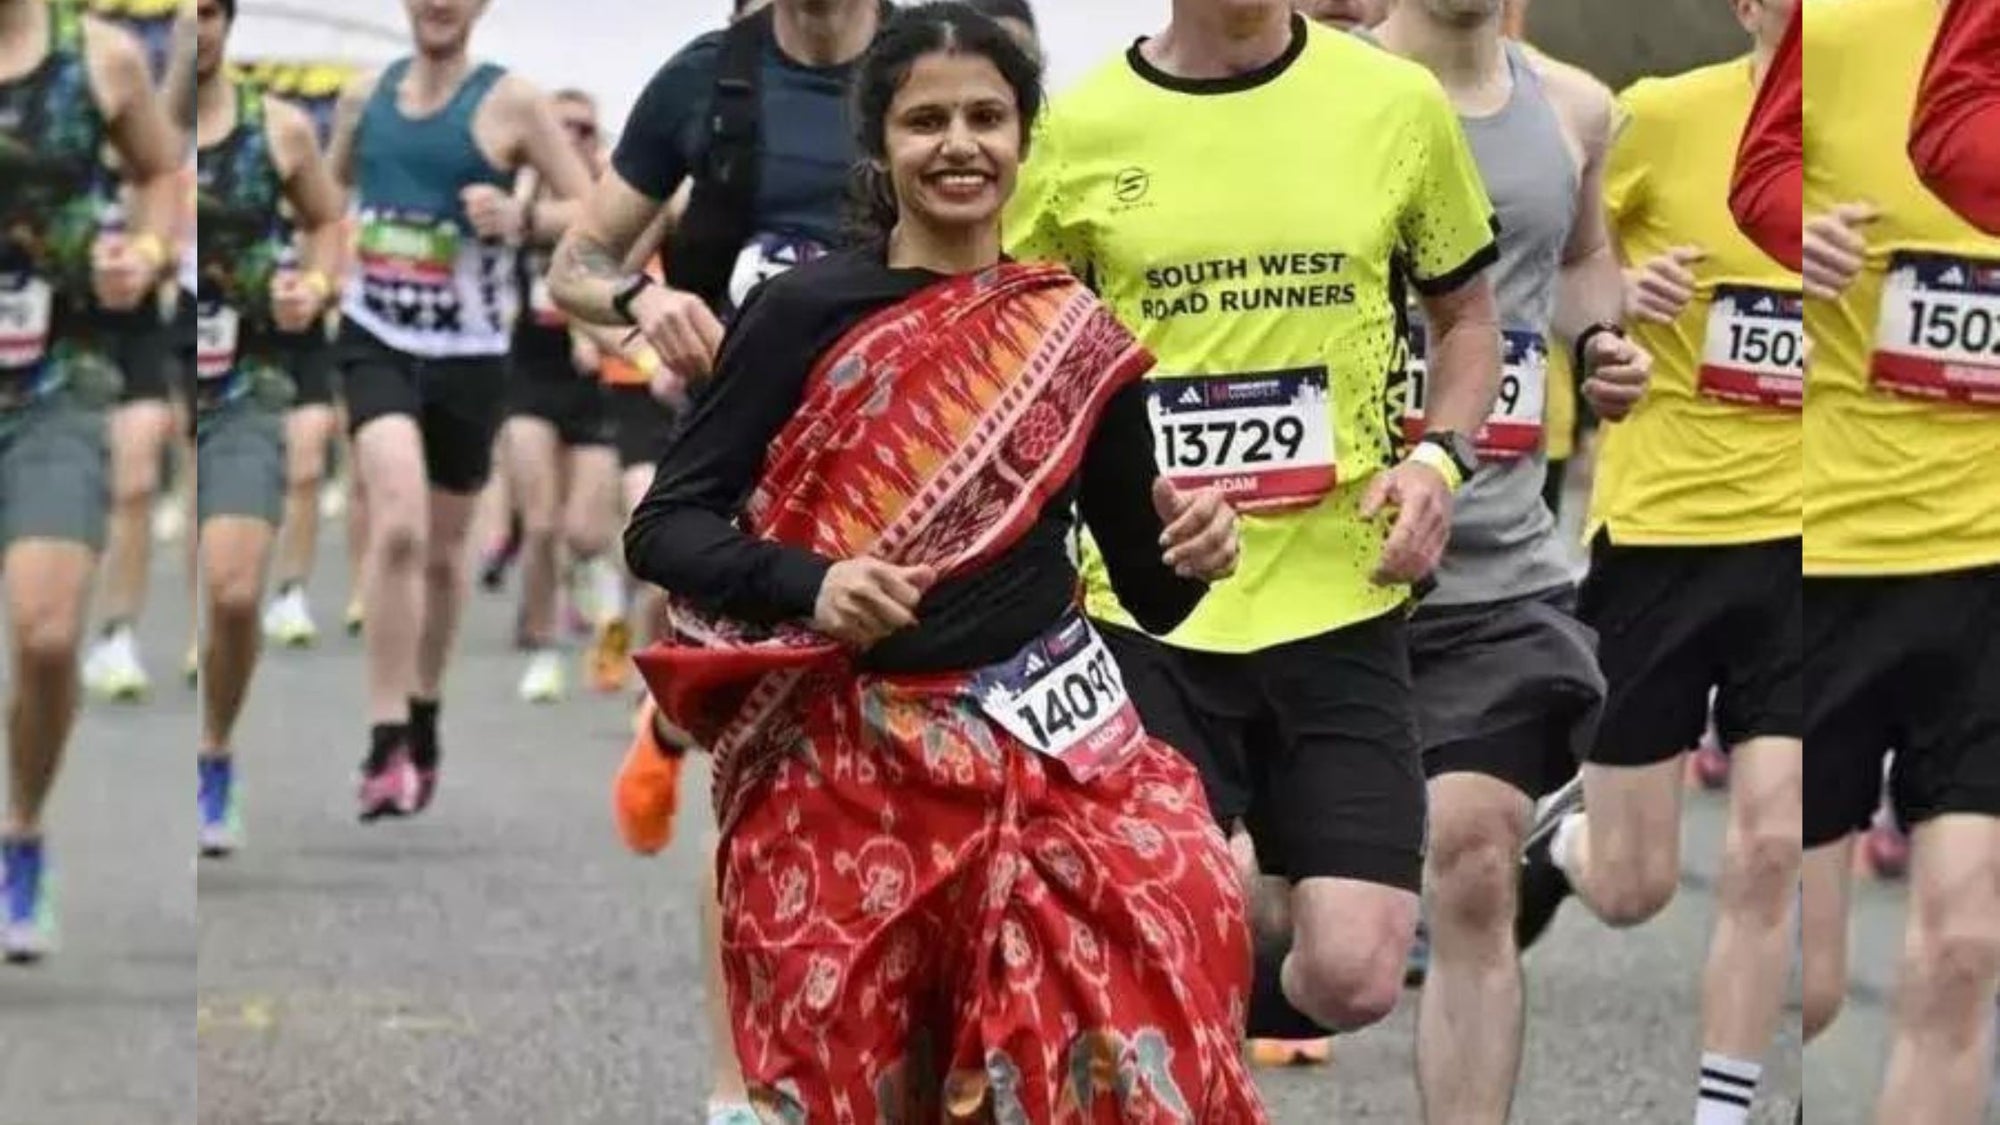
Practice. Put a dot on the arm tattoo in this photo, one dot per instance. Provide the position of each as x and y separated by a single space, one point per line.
589 259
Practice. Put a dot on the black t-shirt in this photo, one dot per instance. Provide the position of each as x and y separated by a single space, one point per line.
684 536
808 143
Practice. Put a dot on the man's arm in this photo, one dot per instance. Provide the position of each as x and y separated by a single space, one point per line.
309 185
1464 326
1591 287
347 126
148 146
543 148
596 253
1768 189
1955 137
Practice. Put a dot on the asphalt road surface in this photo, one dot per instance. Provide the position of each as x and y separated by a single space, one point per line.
501 960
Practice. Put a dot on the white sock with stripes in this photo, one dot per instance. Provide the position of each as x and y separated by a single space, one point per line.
1727 1086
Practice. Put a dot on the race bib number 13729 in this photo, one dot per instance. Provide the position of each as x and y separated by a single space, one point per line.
1265 440
1939 333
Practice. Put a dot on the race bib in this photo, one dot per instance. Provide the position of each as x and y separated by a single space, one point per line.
1063 697
215 335
1755 351
401 250
1939 333
1514 429
26 305
1265 440
767 256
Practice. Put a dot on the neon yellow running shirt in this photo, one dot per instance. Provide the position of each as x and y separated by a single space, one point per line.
1249 231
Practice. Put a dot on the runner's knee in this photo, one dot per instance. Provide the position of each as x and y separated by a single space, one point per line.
1633 883
1347 984
1950 971
1761 870
233 590
1475 868
45 638
399 542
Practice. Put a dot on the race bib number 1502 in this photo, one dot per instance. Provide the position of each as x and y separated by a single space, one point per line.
1939 333
1754 353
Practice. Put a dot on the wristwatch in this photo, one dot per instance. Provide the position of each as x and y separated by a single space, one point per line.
1463 453
628 291
1583 339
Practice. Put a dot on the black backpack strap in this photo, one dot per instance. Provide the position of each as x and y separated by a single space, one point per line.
722 209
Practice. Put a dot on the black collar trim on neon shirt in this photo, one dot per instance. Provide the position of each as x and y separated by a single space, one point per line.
1235 83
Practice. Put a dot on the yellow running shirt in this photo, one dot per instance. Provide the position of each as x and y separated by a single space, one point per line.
1900 473
1711 456
1245 230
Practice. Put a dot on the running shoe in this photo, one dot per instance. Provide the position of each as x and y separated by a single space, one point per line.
1886 849
1417 966
1709 764
389 788
111 669
499 558
1276 1053
611 656
546 679
169 519
28 930
288 620
355 616
733 1113
221 832
647 793
1543 885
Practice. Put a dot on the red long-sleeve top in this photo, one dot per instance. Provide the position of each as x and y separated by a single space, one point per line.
1955 137
1767 191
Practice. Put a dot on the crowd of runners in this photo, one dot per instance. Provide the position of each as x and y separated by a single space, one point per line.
1107 544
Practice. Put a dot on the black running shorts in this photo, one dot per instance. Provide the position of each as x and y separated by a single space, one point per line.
1312 744
1904 664
1677 623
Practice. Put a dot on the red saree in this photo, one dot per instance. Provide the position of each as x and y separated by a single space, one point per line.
925 920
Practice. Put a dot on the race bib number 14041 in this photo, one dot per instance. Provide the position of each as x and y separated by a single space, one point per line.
1939 333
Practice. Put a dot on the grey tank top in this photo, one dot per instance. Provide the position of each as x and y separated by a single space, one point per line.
1503 537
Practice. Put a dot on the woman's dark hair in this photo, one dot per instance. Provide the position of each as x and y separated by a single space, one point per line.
1004 10
926 29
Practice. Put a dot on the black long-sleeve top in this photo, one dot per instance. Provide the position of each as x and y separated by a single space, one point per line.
685 536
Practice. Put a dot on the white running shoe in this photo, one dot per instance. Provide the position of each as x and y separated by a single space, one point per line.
169 519
546 680
111 670
288 620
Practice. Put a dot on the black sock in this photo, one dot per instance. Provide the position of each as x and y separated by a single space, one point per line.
1271 1014
424 733
385 739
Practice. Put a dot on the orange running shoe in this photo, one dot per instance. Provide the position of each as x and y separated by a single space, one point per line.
611 656
647 793
1271 1053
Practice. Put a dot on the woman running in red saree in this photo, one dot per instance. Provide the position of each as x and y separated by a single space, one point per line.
959 881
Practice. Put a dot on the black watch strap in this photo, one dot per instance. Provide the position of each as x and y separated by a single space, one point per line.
1583 340
628 291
